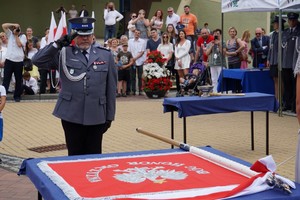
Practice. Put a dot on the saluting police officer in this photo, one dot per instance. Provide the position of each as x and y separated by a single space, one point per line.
88 77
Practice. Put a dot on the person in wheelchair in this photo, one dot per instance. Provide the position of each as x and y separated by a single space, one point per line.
190 81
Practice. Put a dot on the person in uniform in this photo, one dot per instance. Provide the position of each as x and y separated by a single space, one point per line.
290 45
88 78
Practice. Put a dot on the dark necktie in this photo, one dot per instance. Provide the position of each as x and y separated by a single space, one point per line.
260 42
84 52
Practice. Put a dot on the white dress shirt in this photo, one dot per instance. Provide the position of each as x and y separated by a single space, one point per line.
173 19
135 47
111 17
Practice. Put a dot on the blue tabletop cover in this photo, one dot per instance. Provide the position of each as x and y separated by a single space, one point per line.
195 105
252 80
50 191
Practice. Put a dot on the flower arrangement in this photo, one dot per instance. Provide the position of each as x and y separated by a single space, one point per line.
156 57
156 78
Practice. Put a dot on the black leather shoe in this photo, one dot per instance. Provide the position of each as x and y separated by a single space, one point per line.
17 99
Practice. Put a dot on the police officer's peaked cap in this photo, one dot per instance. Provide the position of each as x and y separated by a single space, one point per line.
276 20
82 25
292 15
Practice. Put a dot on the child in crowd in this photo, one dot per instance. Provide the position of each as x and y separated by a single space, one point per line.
125 59
189 80
30 86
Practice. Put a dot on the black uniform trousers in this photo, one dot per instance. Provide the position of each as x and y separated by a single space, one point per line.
43 80
289 84
83 139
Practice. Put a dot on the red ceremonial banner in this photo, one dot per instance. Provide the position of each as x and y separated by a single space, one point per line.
134 176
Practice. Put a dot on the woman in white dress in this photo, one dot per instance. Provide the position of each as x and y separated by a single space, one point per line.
182 55
166 48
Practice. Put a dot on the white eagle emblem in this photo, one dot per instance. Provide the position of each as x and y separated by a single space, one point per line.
156 175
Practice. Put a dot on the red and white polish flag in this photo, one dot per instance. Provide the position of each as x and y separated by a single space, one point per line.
62 27
52 29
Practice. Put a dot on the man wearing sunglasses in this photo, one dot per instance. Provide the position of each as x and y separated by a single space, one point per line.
260 48
172 18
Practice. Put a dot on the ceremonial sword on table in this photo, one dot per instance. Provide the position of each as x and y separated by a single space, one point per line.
272 180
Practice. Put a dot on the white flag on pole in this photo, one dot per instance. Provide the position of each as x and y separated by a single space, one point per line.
52 29
62 27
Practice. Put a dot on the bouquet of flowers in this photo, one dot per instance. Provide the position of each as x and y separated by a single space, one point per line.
156 57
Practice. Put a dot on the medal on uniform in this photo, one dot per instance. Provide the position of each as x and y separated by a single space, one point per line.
95 67
71 71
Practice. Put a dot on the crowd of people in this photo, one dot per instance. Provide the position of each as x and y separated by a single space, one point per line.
90 87
183 42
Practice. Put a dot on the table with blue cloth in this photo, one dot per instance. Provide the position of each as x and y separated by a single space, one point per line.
192 106
48 190
247 80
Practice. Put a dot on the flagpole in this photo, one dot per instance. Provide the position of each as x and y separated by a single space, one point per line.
237 167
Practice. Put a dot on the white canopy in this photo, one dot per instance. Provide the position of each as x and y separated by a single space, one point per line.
251 5
259 5
289 4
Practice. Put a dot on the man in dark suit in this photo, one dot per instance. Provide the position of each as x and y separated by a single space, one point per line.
260 48
86 103
290 36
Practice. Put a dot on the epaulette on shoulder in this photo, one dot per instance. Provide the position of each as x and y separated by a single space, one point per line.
103 48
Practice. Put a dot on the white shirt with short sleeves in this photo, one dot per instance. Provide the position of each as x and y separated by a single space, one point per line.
135 47
174 19
15 53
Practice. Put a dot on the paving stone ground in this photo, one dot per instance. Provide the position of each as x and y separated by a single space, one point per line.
30 124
